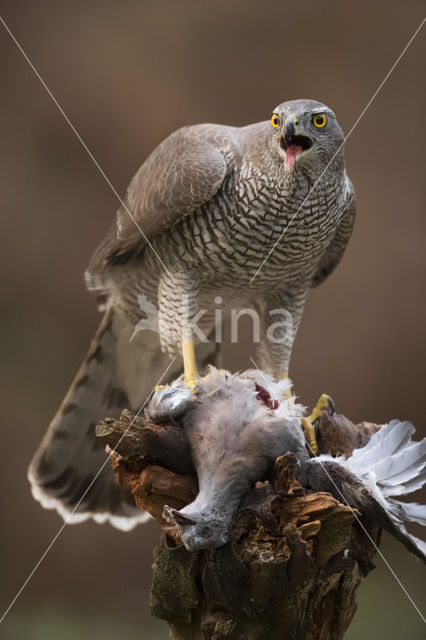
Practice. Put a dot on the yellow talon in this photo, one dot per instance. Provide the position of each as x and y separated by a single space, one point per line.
192 383
324 402
159 387
309 431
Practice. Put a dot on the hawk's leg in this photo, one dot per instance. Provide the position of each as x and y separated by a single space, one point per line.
177 318
324 402
281 314
190 372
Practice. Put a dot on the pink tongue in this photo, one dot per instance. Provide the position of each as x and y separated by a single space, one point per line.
290 155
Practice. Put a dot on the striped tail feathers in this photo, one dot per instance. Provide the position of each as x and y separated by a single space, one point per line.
70 471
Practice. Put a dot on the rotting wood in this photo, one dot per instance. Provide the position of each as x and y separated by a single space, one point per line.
295 559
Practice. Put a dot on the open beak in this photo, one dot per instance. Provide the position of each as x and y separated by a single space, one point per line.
293 142
173 515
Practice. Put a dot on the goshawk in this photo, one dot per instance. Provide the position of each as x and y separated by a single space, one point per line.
200 216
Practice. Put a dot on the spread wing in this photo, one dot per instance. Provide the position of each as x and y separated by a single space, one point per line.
336 248
388 514
182 173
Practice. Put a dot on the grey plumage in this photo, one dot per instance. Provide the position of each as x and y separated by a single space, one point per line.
169 402
234 440
212 201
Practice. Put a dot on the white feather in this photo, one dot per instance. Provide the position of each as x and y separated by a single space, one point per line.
278 389
402 466
409 511
400 471
406 488
386 441
124 523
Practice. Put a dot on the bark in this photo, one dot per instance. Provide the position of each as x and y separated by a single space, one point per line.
295 560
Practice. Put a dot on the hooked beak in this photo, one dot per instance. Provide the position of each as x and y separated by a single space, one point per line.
294 142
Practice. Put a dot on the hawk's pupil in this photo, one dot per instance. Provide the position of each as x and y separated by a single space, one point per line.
320 119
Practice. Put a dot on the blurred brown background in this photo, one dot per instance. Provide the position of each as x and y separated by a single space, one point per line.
127 74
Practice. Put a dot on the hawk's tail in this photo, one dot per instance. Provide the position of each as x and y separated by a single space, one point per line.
70 471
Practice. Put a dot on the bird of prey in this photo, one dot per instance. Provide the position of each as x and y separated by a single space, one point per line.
200 216
235 439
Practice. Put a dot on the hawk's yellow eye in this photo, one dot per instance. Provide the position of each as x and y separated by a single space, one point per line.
275 120
319 120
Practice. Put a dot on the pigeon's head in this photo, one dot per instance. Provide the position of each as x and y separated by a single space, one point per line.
198 531
306 131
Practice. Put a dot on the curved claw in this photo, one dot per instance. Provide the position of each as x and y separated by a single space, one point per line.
309 431
324 403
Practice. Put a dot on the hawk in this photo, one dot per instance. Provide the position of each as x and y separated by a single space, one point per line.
200 216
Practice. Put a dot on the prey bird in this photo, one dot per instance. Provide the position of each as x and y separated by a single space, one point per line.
235 438
253 216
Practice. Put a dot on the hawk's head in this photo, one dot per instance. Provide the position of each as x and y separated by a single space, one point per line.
306 129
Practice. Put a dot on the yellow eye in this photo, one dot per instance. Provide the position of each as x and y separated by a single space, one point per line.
319 120
275 120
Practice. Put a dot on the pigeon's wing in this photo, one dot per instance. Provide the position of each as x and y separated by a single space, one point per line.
335 250
387 441
185 171
332 475
397 464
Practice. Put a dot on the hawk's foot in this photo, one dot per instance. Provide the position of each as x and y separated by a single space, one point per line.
192 382
324 402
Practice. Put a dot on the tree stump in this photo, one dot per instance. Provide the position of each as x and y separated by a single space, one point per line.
295 559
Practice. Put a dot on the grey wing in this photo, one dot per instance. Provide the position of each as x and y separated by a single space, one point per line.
325 474
183 172
336 248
